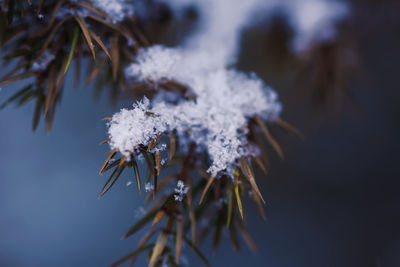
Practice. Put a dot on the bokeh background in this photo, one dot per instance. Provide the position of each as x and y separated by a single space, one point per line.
334 200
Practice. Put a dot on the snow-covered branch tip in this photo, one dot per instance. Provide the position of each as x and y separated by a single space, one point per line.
217 120
225 99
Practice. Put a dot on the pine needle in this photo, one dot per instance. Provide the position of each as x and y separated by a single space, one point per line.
248 173
172 145
110 156
100 43
210 181
179 237
159 215
73 45
160 245
238 200
269 136
86 34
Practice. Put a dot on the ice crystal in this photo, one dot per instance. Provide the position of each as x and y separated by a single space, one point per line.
149 187
116 9
43 61
66 11
180 191
164 261
139 212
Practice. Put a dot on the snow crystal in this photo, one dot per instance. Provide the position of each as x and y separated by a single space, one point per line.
139 212
67 11
156 63
116 9
180 191
149 187
164 261
43 61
